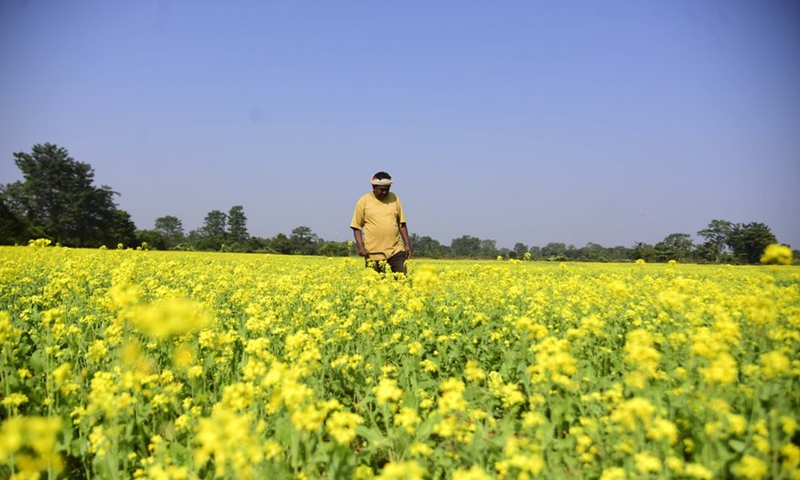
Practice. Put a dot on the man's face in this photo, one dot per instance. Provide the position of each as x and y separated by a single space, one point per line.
380 191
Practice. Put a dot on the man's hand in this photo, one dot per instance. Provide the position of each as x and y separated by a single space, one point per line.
359 238
406 241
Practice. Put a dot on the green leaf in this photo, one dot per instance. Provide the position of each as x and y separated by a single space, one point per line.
284 431
426 427
38 360
79 446
737 446
373 435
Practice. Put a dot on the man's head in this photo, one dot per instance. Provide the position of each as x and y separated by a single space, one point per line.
381 183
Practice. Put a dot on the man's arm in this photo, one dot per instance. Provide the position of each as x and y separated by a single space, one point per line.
359 237
406 241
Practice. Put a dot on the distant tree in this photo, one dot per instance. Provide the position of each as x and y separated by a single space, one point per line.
154 240
466 246
643 251
426 247
675 246
334 249
716 237
237 225
593 252
536 253
170 229
708 253
258 244
663 252
281 244
554 250
13 229
119 229
304 241
748 241
215 223
488 249
619 253
212 235
58 195
193 241
520 249
572 252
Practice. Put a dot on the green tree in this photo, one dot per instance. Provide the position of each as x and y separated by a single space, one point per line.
554 250
748 241
154 240
258 244
58 195
466 246
675 246
170 228
488 249
619 253
304 241
119 228
281 244
520 249
237 225
643 251
334 249
426 247
572 252
15 230
716 237
195 240
212 235
593 252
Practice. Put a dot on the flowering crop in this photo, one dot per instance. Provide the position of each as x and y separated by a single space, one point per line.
175 365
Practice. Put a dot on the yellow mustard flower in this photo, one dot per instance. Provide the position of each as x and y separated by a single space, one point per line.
168 318
750 467
341 426
646 463
387 391
777 255
29 445
409 470
774 364
473 473
408 419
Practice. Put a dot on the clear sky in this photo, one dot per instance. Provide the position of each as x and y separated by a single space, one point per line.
611 122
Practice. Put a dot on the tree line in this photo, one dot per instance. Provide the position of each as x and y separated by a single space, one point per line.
223 232
57 200
723 242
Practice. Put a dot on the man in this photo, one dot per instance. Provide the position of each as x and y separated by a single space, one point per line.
379 225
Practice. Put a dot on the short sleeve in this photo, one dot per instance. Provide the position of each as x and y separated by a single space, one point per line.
401 217
358 216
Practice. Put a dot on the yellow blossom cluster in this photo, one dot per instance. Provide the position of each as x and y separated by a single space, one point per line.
183 365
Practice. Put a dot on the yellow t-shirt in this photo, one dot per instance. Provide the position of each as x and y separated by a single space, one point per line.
380 221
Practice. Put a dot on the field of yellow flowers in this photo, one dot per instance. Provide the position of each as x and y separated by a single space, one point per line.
170 365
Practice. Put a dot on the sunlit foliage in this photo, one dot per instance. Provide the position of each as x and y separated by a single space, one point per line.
142 364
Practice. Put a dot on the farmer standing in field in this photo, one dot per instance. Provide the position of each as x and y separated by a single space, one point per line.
379 225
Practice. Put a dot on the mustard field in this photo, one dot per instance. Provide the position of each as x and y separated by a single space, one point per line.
168 365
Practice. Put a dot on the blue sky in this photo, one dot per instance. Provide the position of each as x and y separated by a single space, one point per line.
610 122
